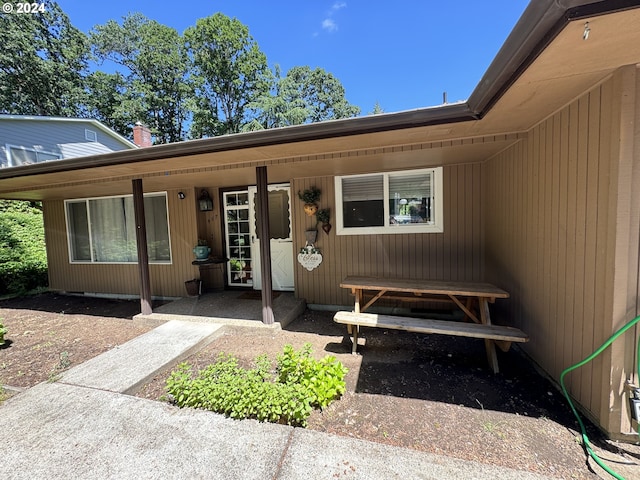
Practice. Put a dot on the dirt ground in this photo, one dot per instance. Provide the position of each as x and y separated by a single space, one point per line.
426 392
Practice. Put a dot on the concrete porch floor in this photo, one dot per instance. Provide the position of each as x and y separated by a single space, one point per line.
229 307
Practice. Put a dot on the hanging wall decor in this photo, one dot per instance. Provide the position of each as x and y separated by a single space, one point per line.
310 257
310 196
323 215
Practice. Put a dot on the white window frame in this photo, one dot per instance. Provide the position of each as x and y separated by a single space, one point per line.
437 226
9 146
93 261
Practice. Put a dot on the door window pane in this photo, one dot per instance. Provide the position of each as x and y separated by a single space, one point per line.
239 270
279 218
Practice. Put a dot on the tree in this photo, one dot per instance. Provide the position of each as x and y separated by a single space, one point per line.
107 101
302 96
230 71
43 62
153 88
319 92
377 109
272 110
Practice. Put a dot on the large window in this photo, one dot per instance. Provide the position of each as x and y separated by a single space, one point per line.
103 230
26 156
390 202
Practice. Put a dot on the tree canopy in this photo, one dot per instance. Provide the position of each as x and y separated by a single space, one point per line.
43 63
153 88
302 96
210 81
230 72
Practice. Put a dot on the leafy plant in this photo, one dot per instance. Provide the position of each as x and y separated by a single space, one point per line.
323 215
288 397
3 331
202 242
23 258
324 379
310 195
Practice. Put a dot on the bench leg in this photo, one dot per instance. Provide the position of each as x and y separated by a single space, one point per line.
491 355
490 345
354 339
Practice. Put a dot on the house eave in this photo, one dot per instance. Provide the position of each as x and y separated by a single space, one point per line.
445 114
538 26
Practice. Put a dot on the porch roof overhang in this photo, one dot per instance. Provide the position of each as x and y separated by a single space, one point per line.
541 67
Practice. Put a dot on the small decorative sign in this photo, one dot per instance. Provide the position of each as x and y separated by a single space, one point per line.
310 257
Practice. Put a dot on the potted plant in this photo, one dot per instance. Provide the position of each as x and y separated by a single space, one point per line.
202 250
310 196
323 215
193 287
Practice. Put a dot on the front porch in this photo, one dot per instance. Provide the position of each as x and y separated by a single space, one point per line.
229 307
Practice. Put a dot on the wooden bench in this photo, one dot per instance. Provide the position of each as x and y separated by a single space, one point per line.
503 336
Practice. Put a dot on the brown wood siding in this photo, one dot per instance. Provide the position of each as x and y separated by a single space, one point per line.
455 254
117 279
551 207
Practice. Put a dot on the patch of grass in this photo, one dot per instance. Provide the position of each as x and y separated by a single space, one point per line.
40 346
63 364
491 426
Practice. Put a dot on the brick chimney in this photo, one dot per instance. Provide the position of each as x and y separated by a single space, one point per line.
141 135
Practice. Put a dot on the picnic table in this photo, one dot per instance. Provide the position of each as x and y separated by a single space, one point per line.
472 298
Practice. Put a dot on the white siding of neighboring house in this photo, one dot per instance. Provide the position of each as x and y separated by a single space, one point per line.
65 138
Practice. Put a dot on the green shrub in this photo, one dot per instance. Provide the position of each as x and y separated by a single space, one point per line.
225 387
3 331
324 379
23 258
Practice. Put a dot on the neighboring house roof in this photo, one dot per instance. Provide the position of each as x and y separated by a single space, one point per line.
88 121
542 65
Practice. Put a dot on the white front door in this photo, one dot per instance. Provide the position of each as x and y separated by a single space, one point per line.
282 265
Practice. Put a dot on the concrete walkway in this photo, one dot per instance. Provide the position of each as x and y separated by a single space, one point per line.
85 427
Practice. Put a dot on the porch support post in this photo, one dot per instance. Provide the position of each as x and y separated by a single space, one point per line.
141 244
265 244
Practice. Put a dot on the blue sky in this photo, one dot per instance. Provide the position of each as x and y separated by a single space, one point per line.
403 55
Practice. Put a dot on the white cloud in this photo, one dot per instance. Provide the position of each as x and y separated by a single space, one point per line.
329 25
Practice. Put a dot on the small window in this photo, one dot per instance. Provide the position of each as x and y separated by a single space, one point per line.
26 156
391 202
90 135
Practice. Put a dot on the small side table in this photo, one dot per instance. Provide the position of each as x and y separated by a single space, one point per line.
211 273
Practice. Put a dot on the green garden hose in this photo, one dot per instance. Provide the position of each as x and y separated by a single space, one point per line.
585 439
